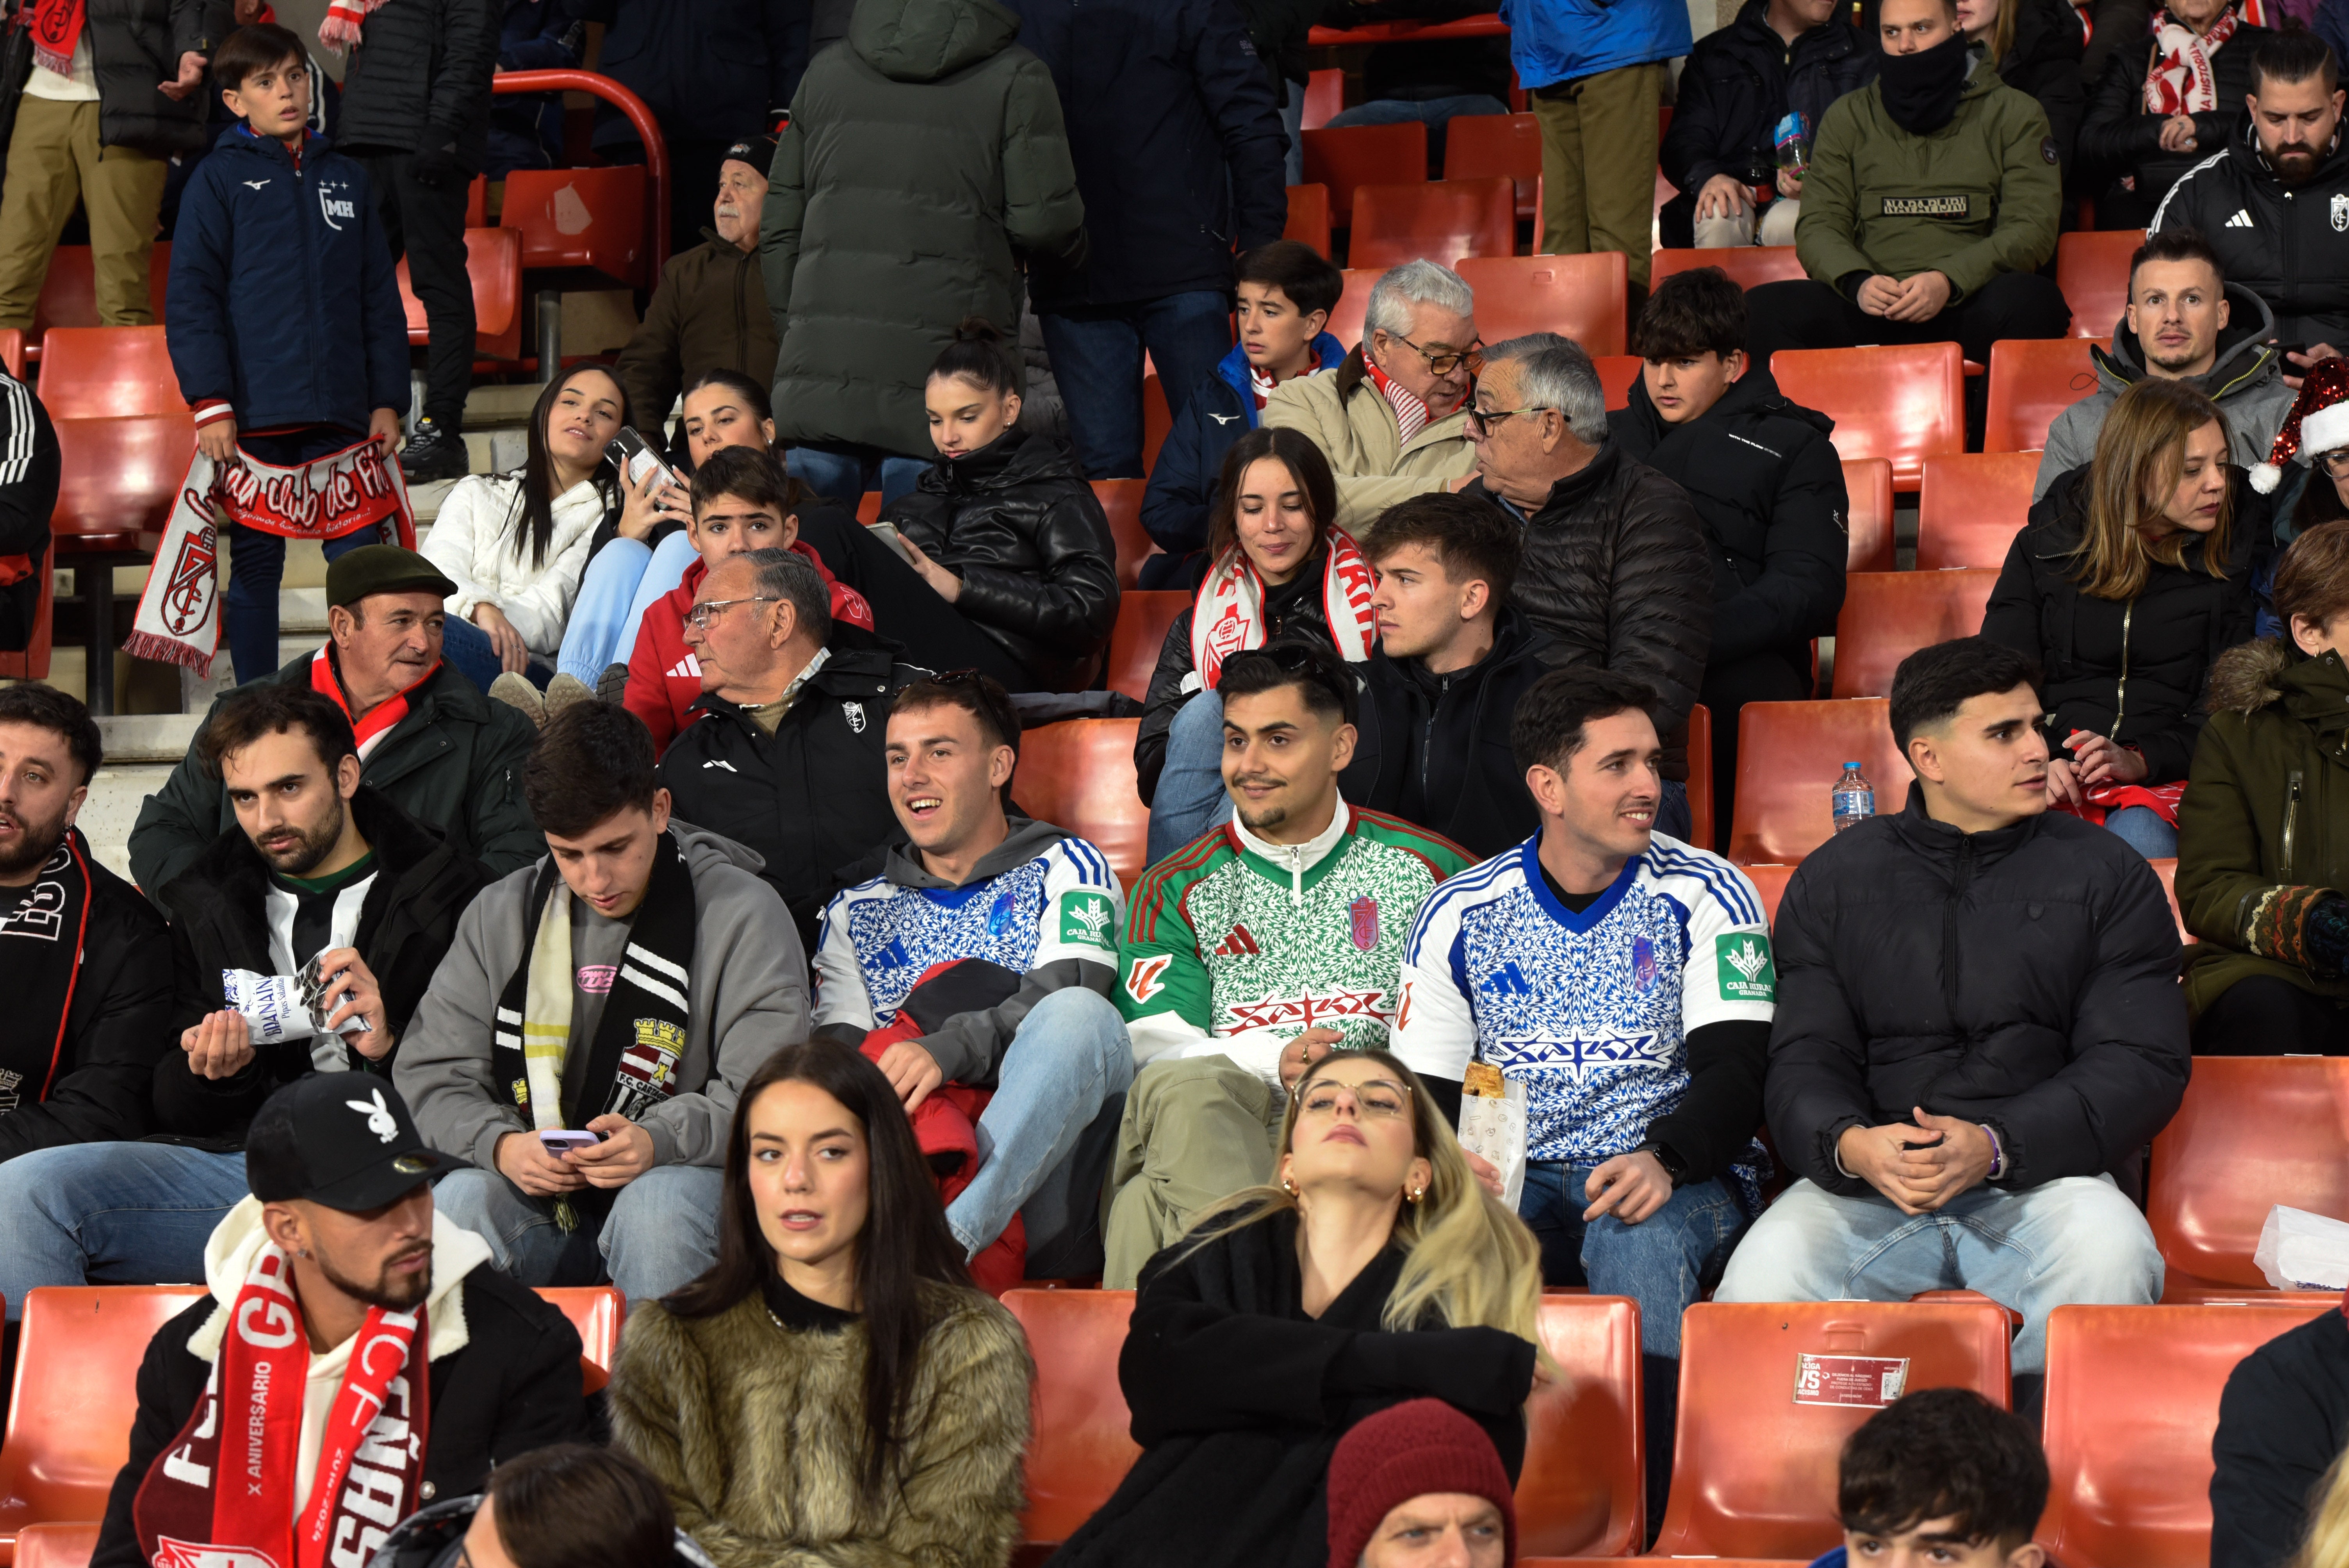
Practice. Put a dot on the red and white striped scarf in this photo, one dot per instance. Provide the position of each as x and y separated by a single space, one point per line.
344 20
1410 408
2182 81
1227 616
379 720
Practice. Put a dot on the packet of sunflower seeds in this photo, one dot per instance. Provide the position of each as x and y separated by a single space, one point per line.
1492 1125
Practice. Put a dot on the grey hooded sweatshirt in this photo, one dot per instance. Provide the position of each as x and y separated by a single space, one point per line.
746 990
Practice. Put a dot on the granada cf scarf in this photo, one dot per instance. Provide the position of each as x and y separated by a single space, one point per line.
381 719
56 28
1227 616
41 952
641 1034
2103 799
179 610
190 1514
2181 80
344 19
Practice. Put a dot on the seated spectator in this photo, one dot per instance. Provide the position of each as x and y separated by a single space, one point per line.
838 1294
710 312
2265 199
800 783
2324 488
377 1311
516 544
28 494
2184 323
1767 483
1420 1483
1002 532
1955 1082
1626 981
1942 1476
2271 976
1022 1007
922 164
1286 291
2276 1493
1614 569
1378 1270
1778 58
1932 202
2035 45
1238 970
2166 100
2132 576
624 987
323 886
427 739
1281 572
91 1002
1413 77
570 1505
1454 656
1390 420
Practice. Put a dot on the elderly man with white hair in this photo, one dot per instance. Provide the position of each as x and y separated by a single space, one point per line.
1391 419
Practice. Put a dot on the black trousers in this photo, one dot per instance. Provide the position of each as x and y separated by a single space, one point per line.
428 225
907 610
2263 1017
1766 676
1806 313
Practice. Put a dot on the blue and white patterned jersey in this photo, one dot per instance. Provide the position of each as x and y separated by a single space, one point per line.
1592 1010
879 936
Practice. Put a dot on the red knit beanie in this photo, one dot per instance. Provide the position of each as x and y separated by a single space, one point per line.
1409 1450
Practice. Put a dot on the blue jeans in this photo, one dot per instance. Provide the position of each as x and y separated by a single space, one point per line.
1097 359
2143 829
844 474
2075 1239
1657 1263
662 1231
111 1213
1292 123
468 652
1069 1060
256 565
1190 798
619 587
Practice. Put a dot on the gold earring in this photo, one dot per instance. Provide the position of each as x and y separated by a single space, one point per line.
1288 1186
1416 1194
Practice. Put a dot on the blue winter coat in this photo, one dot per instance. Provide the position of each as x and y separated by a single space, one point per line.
1554 41
1183 480
283 299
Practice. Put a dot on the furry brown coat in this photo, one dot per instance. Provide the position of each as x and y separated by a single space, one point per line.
758 1431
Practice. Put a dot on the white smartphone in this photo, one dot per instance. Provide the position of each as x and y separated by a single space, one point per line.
559 1141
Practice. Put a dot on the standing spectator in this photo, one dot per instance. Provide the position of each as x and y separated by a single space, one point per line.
1179 153
2163 105
1778 58
1419 1484
415 114
1279 31
526 128
2035 47
1598 71
30 472
2331 24
1430 80
925 162
116 95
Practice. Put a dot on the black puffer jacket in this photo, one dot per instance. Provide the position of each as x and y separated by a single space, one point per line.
1615 572
2121 137
2294 251
2282 1420
419 77
1032 546
137 44
1769 486
219 909
2133 670
2025 977
2043 61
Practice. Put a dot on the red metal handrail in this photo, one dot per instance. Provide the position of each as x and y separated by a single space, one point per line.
627 103
1485 26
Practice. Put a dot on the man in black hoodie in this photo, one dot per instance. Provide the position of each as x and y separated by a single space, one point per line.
301 940
1768 486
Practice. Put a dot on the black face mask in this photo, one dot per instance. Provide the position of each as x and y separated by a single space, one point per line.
1921 91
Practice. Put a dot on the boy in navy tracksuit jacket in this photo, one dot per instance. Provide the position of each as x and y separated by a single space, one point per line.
283 315
1942 1476
1286 291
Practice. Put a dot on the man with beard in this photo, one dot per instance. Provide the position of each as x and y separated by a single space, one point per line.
88 1007
351 1341
303 938
2274 203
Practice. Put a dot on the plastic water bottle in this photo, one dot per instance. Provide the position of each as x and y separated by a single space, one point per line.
1791 139
1855 798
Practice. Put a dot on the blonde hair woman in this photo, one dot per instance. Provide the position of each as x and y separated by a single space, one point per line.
1378 1270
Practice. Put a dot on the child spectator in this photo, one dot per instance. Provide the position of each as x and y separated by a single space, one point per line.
1942 1477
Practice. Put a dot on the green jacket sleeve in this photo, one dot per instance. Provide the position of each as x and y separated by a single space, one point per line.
2030 199
1043 211
780 221
1826 231
2224 879
175 825
507 837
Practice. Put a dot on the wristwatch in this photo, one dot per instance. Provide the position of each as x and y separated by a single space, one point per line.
1672 1163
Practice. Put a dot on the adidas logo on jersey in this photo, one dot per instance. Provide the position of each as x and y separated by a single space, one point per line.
1237 944
1508 980
687 668
2242 220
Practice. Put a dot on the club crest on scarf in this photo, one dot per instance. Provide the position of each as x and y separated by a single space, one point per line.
1227 617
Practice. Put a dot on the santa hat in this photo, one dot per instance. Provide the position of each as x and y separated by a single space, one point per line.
2318 423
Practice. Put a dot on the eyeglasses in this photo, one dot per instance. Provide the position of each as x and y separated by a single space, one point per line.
1380 1098
2337 462
1445 363
701 614
1482 420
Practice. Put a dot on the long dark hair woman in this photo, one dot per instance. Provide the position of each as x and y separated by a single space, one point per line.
833 1387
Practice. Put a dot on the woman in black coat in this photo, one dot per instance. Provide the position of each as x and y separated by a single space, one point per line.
2035 45
2134 573
2136 140
1258 1339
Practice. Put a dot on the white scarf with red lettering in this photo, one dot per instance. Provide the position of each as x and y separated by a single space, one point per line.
1227 616
2182 80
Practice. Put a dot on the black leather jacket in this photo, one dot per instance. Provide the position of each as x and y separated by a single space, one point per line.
1032 546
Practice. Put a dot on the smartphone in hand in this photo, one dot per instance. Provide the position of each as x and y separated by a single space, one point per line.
559 1141
633 456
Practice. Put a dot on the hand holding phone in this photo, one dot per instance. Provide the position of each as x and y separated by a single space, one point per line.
560 1142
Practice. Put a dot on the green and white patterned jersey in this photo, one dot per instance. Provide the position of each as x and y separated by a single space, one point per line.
1234 947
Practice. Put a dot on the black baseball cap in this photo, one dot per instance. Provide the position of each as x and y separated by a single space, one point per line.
341 1139
382 569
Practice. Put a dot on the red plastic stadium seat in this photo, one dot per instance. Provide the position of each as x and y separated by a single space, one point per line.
1770 882
69 292
2091 269
1079 775
1888 616
1700 779
590 217
107 372
1325 97
2132 1403
118 479
2252 1132
75 1394
477 202
1581 296
1753 1472
1364 155
1441 220
1904 402
12 351
596 1311
1971 506
1078 1446
1353 304
1616 374
1122 499
1867 484
1478 145
1747 265
1789 754
1157 420
2032 380
56 1545
493 262
868 507
1308 216
1142 622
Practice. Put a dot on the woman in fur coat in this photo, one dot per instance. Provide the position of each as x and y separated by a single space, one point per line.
832 1391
